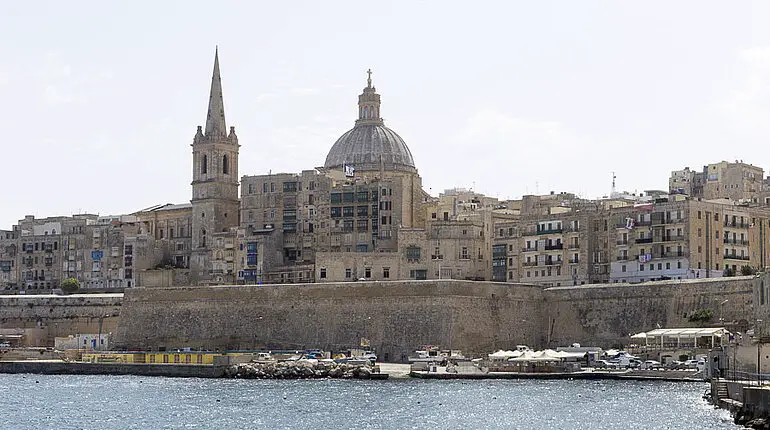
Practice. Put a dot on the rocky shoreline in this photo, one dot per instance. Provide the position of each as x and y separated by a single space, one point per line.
299 370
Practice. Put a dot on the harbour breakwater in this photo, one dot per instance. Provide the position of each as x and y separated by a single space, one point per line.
300 370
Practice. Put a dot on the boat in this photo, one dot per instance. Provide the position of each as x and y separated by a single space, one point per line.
433 354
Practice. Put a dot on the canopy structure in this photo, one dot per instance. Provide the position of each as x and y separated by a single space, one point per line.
681 337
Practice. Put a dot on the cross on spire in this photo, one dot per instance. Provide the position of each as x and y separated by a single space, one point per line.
369 79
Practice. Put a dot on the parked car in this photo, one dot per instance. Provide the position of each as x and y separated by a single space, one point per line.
607 364
690 364
651 365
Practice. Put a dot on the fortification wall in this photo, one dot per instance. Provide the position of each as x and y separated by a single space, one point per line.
396 317
607 314
40 318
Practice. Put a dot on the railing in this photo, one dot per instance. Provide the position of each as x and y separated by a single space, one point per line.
573 246
749 378
737 224
574 261
623 257
528 249
622 242
645 240
736 242
552 262
554 246
737 257
530 263
550 231
675 238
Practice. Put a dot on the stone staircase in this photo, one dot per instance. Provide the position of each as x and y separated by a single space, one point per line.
721 391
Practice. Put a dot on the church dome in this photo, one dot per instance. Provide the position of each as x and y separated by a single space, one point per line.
369 145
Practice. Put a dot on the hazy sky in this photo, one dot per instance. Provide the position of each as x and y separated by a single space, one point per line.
99 102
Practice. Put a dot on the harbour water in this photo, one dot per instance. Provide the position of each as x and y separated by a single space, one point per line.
131 402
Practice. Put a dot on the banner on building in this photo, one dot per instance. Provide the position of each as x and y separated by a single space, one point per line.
349 171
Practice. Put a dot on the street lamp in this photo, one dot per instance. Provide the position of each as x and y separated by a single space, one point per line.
721 307
759 351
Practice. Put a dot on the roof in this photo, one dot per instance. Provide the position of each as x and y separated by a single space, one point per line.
367 146
682 332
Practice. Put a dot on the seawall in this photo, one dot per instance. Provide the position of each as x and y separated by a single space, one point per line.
42 317
396 317
608 314
70 368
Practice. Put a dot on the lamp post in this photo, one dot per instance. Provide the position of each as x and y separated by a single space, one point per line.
759 351
721 308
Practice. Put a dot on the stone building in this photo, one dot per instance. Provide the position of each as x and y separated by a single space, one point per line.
8 252
736 181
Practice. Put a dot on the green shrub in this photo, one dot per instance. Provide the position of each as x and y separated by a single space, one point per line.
70 285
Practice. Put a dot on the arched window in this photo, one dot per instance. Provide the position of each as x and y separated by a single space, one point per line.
204 164
203 238
225 165
366 112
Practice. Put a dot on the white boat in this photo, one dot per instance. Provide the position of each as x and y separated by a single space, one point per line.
432 354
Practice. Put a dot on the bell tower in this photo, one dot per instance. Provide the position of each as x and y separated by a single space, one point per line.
215 204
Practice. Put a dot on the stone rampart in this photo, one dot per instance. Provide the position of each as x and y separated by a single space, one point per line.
607 314
396 317
41 318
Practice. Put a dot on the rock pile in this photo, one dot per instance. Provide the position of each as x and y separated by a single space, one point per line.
298 370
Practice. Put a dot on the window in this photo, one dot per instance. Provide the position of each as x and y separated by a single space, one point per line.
464 253
368 272
386 272
204 164
348 273
323 273
226 167
413 253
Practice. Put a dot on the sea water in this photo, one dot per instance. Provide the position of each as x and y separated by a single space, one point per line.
132 402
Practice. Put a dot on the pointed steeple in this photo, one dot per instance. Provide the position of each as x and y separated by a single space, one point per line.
215 119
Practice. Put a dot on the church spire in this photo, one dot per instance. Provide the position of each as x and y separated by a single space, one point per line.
369 103
215 119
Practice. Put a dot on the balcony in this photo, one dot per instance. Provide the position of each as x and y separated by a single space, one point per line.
549 231
645 240
529 263
623 257
737 257
737 224
672 238
574 261
736 242
672 254
574 246
622 242
531 249
554 246
552 262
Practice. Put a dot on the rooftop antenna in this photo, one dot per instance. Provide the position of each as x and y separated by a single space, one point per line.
612 193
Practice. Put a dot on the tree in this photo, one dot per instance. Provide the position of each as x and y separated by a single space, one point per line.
729 271
70 285
701 315
748 270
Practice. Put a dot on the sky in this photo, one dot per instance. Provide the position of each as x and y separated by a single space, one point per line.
99 101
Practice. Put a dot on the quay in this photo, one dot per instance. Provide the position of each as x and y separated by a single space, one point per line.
673 376
56 367
747 399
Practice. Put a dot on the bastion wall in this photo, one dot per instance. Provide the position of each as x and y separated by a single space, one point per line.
41 318
395 317
606 315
